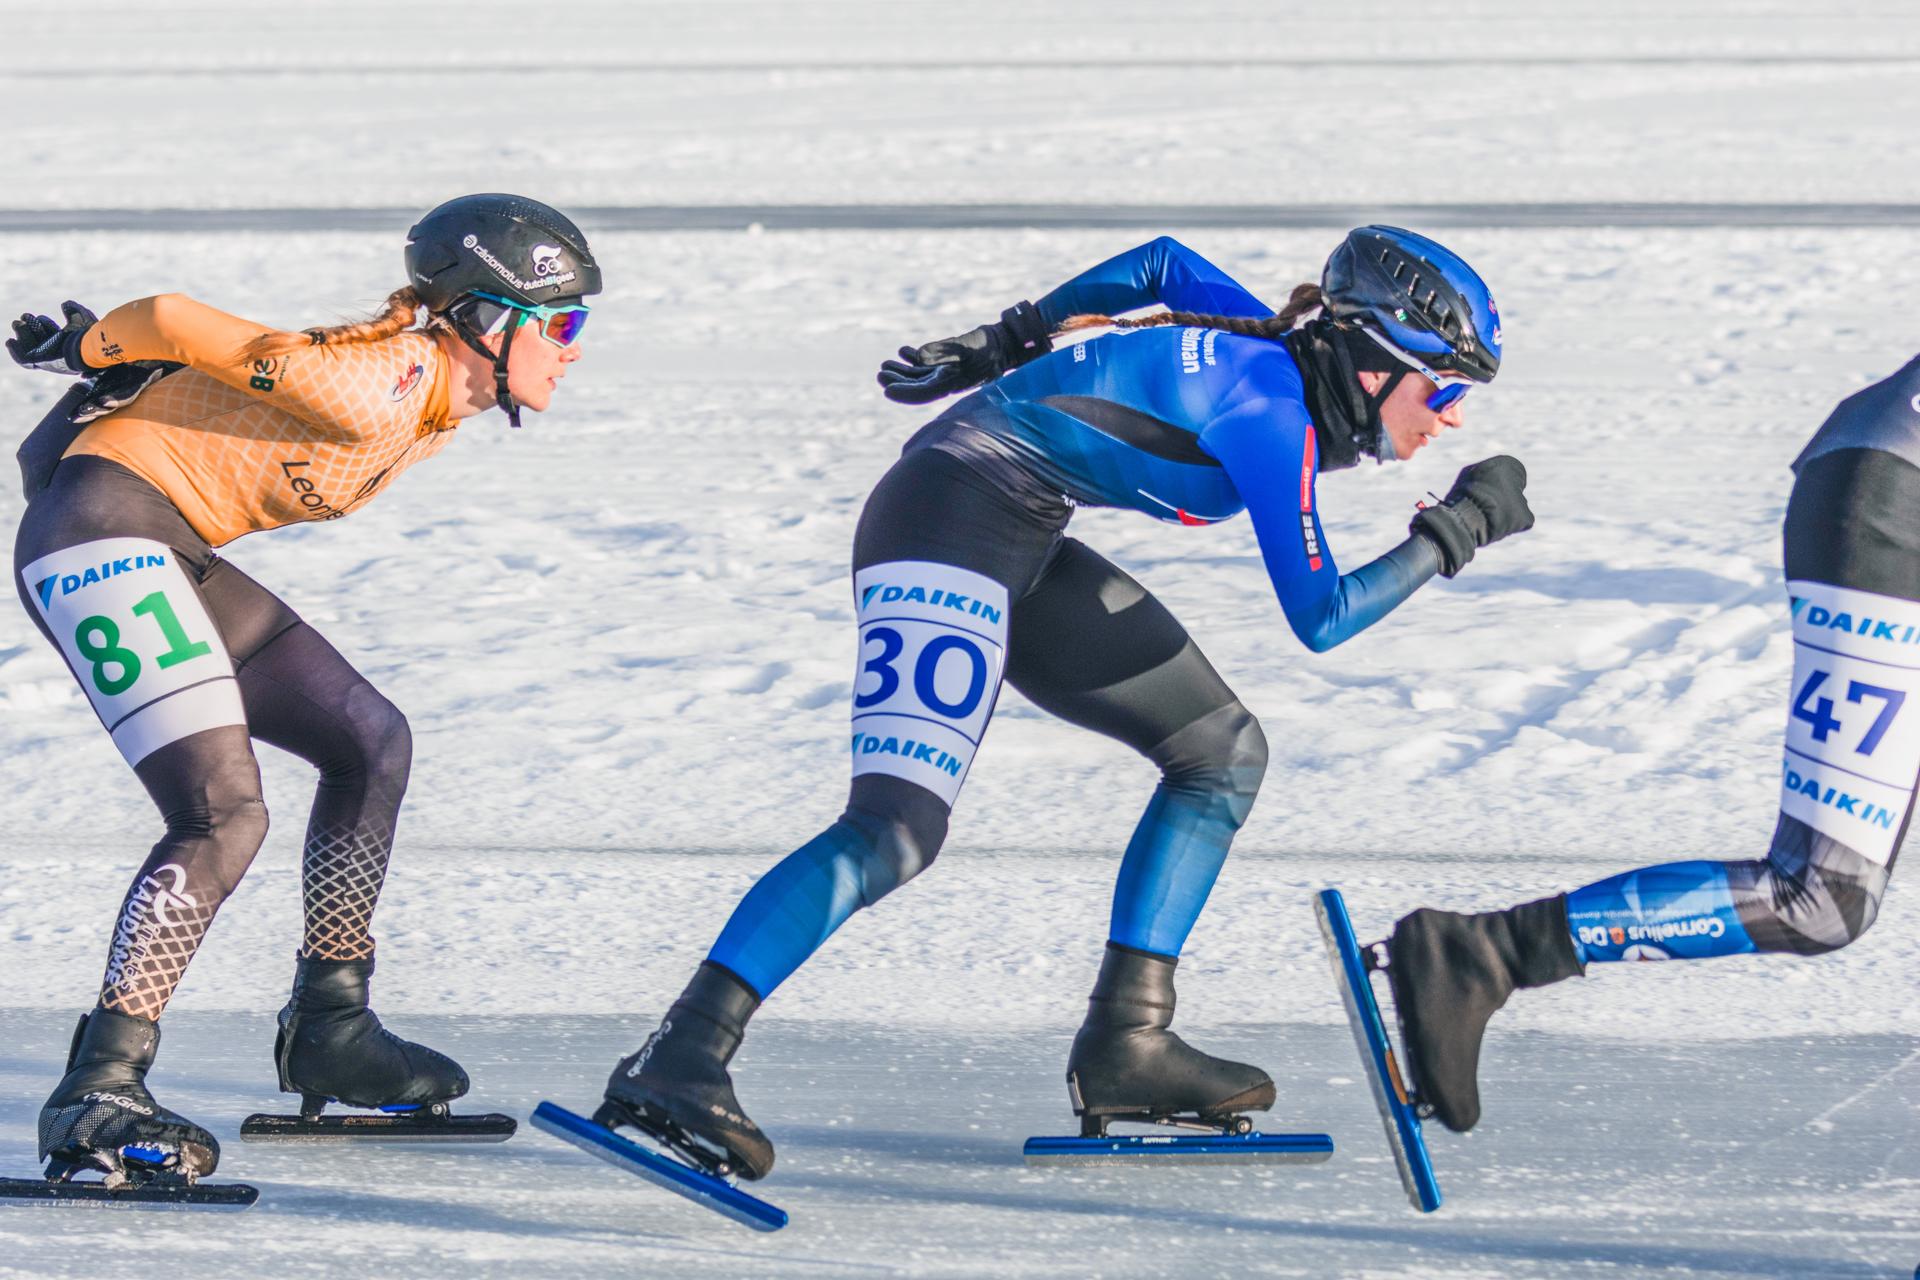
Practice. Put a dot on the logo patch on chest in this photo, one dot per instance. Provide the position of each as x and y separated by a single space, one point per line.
407 382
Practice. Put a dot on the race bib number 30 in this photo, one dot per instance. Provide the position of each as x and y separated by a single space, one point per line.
138 639
933 642
1853 743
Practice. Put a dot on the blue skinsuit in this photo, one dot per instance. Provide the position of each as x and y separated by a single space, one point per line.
1184 424
1188 425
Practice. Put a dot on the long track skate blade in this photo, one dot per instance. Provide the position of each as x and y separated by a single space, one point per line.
171 1194
395 1127
623 1153
1397 1116
1192 1148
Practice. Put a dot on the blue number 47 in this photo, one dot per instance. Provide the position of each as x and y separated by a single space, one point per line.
1818 712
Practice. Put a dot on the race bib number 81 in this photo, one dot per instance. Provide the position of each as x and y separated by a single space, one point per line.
933 643
138 639
1853 743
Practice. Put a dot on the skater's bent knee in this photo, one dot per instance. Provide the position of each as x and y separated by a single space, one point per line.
902 826
382 739
1812 895
1224 753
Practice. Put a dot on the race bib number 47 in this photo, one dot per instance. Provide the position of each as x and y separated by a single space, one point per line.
1853 743
138 639
933 643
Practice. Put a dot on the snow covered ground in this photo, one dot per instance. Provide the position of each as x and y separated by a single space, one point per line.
622 633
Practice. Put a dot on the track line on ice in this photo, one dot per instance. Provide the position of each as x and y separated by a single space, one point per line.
920 67
1667 215
1823 1123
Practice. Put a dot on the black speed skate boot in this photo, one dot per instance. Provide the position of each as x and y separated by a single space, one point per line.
1450 973
331 1047
677 1087
102 1117
1126 1065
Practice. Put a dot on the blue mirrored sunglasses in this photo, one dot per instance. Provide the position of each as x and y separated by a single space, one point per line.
561 326
1449 388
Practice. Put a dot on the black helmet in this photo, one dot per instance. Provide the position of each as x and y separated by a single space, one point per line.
1419 296
510 246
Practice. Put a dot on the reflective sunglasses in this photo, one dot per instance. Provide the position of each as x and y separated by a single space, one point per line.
1449 388
561 326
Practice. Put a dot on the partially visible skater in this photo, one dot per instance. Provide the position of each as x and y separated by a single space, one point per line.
963 575
1848 777
192 428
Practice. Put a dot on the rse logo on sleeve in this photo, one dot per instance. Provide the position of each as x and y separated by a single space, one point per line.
933 644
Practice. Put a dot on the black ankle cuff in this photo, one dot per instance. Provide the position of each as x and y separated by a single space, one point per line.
718 993
1129 975
1543 943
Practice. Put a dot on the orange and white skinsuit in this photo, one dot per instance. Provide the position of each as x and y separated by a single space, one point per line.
242 445
186 659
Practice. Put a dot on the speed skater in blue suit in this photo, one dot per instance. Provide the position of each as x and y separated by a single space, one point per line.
1210 405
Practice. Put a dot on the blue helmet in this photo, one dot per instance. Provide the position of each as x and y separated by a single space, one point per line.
1420 297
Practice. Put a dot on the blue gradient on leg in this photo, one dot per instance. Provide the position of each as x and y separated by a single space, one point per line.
1678 911
794 908
1172 861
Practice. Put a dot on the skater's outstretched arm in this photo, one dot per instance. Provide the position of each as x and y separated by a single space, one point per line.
1267 447
1162 271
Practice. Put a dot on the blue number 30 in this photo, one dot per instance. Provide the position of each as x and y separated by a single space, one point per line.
925 667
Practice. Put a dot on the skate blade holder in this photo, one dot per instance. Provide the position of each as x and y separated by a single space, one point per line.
1208 1141
432 1122
1400 1110
704 1188
141 1180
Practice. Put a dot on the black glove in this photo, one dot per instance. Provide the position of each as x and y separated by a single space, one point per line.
924 374
39 343
1488 501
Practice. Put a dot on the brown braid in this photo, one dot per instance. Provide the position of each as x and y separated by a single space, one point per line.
1305 297
396 315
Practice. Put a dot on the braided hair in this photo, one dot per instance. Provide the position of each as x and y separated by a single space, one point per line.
396 315
1304 298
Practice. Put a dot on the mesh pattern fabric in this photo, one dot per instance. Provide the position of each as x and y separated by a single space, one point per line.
240 447
160 927
341 879
72 1127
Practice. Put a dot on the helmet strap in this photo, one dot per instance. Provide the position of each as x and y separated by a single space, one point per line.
501 395
1377 398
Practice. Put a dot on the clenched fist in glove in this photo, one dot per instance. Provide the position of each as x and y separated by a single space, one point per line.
940 368
1488 501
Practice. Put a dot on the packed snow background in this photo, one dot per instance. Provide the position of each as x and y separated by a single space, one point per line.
623 634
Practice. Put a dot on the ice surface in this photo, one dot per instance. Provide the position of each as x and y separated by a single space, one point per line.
899 1154
622 633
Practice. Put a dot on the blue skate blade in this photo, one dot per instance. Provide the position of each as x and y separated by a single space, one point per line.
1186 1148
1397 1116
703 1188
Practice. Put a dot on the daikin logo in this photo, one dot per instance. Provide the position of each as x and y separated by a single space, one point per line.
68 583
892 593
1842 620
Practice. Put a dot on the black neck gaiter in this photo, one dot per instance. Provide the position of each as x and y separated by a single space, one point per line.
1346 420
